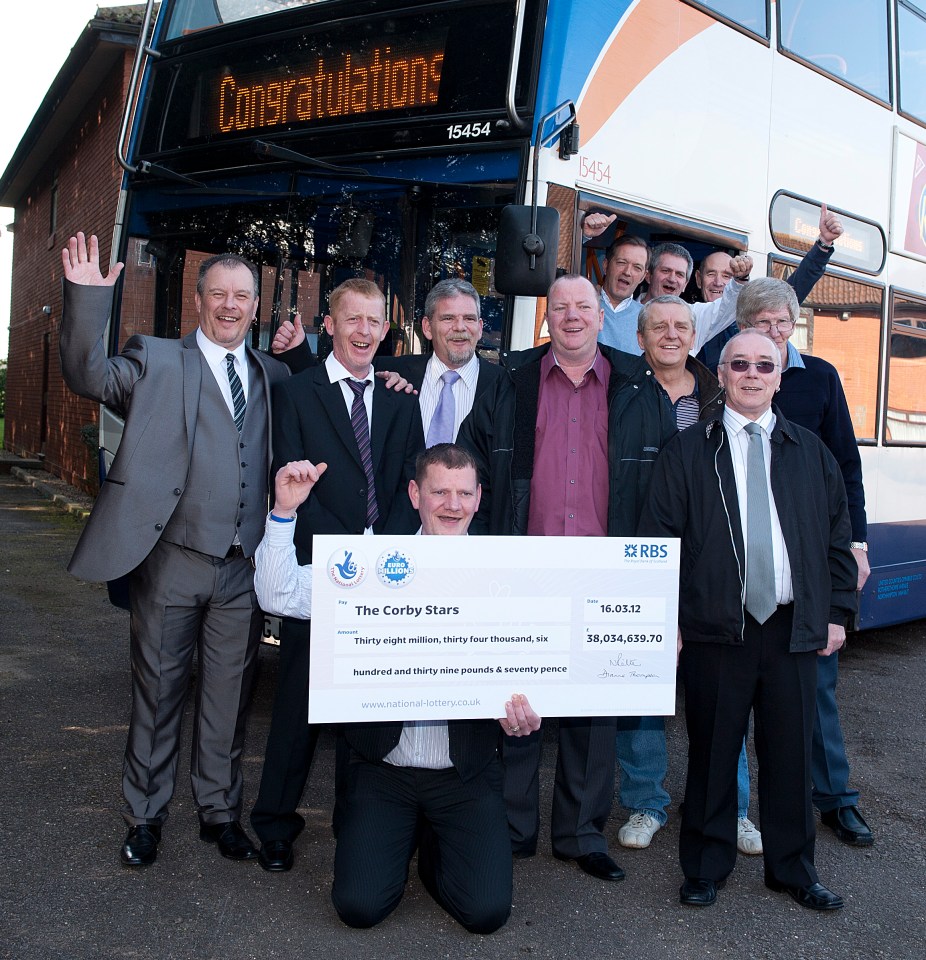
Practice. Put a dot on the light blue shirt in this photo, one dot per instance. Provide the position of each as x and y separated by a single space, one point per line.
620 324
794 358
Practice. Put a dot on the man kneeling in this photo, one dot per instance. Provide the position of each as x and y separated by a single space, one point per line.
434 784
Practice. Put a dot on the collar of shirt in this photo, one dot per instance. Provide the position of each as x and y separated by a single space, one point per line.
215 357
337 371
795 360
615 307
736 422
469 372
599 366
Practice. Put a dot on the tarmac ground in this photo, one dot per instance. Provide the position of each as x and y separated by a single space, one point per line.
64 684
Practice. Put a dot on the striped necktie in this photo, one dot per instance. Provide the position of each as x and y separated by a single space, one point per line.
358 420
237 391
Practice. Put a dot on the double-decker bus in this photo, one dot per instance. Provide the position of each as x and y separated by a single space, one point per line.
406 141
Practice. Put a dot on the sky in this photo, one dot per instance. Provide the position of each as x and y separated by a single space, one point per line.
38 37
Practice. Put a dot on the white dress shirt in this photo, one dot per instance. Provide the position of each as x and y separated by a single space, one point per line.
464 391
711 318
339 374
215 357
735 425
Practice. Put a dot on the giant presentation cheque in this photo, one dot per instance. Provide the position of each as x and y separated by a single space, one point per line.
442 628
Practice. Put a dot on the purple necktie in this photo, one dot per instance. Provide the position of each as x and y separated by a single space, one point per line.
440 430
358 420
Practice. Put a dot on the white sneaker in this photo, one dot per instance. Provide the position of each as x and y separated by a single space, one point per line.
748 838
638 830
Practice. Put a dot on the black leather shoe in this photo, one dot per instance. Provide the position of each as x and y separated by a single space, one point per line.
276 856
814 896
699 893
141 845
232 841
849 825
598 865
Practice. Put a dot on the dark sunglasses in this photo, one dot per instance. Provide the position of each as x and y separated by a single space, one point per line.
741 366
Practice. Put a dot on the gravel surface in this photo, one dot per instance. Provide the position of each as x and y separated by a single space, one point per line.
64 687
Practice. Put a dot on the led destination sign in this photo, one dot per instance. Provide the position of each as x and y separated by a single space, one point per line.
348 86
347 83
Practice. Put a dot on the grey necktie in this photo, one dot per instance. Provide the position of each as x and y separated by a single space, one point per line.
440 430
237 391
760 565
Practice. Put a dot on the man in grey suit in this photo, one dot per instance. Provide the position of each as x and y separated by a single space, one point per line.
181 512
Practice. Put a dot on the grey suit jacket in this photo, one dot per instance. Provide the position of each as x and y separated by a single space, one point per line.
154 384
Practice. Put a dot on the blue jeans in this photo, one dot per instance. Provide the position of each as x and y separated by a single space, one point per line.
829 765
641 753
742 785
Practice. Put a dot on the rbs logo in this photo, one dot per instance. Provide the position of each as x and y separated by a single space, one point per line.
652 551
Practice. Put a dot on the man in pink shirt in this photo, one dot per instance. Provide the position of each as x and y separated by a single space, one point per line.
562 452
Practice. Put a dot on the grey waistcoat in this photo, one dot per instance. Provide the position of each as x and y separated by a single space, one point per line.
226 488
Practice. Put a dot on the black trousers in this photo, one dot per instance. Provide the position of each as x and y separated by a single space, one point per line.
722 684
464 858
290 744
583 790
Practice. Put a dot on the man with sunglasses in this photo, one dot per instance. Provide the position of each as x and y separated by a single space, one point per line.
767 585
812 396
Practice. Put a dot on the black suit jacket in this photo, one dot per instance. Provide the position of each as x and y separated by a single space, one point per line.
311 422
413 366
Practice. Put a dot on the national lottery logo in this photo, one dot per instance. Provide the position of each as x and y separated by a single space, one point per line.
346 568
395 569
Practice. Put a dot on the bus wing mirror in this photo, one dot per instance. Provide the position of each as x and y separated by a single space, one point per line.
525 258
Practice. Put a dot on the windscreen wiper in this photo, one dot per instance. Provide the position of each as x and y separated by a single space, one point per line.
273 152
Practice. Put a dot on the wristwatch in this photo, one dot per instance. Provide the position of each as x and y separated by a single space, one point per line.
825 247
859 545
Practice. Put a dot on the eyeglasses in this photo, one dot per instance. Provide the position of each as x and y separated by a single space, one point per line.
741 366
764 326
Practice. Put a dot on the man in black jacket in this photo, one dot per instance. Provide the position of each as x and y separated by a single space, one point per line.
565 443
453 376
434 784
767 584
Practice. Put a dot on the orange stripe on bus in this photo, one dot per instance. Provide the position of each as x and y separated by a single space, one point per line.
652 32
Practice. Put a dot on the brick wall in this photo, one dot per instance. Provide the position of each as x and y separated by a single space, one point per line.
42 415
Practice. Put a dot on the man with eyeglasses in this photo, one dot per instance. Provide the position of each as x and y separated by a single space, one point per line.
450 379
713 275
812 396
753 498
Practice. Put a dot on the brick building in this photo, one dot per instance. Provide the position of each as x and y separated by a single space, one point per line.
62 178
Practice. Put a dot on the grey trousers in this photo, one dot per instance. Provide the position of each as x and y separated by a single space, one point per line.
183 601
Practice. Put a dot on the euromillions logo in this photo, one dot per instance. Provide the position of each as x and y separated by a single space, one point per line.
395 569
346 568
630 550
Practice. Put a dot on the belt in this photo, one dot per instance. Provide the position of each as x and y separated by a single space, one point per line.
234 552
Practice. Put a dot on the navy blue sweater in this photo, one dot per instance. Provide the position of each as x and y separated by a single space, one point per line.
814 398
